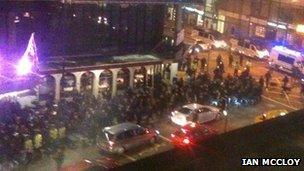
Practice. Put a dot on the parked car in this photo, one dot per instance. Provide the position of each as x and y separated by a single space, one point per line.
191 134
194 113
211 40
248 48
270 115
125 136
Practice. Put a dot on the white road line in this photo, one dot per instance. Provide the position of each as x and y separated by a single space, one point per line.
165 138
279 102
129 157
290 95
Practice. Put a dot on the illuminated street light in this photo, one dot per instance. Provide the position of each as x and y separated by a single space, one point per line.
24 66
300 28
225 113
29 59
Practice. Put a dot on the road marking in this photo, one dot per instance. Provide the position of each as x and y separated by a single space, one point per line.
290 95
129 157
165 138
279 102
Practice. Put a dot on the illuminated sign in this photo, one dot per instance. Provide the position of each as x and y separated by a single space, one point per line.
277 25
300 28
194 10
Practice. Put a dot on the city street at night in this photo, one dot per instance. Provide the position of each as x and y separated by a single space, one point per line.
151 85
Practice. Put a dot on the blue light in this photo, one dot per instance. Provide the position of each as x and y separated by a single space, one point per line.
286 50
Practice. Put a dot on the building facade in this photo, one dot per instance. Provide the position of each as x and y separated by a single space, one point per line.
74 29
103 78
271 20
70 31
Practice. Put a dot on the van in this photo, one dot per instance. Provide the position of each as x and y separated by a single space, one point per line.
125 136
287 60
247 48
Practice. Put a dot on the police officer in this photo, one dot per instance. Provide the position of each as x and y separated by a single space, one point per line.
62 132
285 82
261 81
230 58
195 117
28 146
203 63
236 69
53 135
38 140
223 104
241 59
218 60
268 78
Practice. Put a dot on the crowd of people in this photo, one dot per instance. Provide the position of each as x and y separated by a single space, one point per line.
46 127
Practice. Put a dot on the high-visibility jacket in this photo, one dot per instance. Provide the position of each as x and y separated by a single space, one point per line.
28 145
54 133
61 132
38 141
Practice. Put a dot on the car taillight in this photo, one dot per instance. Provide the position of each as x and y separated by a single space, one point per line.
186 141
147 131
183 130
172 135
111 143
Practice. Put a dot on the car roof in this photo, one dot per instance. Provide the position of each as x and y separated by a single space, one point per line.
193 106
287 52
116 129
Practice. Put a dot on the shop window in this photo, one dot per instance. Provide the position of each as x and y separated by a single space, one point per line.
260 31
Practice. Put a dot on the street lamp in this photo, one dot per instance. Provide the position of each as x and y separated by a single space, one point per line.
225 113
24 66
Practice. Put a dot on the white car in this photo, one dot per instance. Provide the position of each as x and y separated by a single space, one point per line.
247 48
186 114
208 41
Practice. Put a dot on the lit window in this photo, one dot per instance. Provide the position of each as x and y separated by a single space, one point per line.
16 19
26 14
260 31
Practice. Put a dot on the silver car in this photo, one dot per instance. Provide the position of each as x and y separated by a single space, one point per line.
119 138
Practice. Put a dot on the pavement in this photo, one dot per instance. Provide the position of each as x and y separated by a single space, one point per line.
237 118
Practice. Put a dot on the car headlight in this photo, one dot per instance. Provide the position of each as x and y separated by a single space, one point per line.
225 113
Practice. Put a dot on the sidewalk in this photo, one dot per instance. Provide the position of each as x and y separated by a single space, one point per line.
71 157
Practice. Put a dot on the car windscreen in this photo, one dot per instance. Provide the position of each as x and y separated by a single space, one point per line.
185 110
